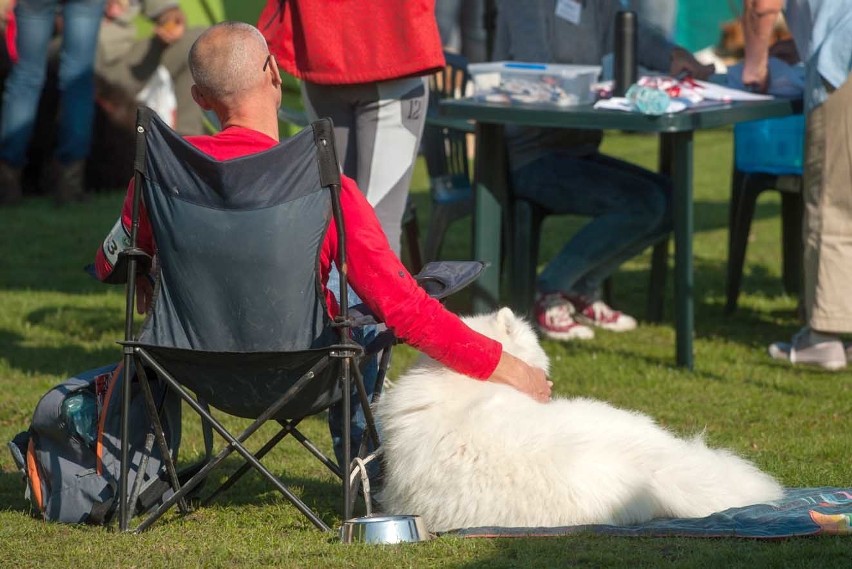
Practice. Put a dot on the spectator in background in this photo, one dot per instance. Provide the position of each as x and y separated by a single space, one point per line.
461 24
128 63
563 170
822 30
363 65
36 21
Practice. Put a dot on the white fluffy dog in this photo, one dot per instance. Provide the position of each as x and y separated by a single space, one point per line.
467 453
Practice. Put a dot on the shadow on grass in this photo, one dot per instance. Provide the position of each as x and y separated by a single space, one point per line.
63 359
12 487
586 550
87 324
325 497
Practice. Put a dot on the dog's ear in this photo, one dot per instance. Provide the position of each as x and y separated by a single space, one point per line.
506 319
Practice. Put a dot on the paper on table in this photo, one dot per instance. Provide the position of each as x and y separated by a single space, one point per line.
623 104
716 92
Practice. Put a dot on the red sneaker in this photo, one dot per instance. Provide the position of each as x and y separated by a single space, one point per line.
600 314
554 315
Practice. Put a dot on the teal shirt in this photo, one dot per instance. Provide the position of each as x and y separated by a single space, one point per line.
822 30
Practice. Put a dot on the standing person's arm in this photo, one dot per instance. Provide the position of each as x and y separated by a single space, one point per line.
759 18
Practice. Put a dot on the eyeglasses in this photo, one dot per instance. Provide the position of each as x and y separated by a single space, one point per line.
266 63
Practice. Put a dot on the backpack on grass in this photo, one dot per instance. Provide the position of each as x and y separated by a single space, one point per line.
70 456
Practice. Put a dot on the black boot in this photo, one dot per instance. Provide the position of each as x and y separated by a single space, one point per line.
10 184
68 182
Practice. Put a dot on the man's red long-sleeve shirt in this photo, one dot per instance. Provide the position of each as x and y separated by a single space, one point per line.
375 272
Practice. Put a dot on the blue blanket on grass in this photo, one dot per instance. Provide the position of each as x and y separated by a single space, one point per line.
802 512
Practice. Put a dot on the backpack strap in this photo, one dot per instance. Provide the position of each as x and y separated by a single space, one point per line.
101 512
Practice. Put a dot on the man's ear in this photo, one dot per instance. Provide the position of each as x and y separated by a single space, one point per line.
276 74
200 99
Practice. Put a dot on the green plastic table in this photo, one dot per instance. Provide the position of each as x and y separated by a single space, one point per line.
676 149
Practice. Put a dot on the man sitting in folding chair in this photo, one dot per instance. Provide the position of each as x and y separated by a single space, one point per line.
236 78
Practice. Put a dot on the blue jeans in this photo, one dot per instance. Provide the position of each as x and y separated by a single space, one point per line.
35 19
630 207
369 369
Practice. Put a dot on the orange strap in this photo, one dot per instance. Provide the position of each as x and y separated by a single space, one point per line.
34 476
99 444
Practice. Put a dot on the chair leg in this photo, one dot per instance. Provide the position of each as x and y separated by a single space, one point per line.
287 428
607 292
657 281
524 244
411 229
235 444
159 435
443 215
438 224
744 192
792 210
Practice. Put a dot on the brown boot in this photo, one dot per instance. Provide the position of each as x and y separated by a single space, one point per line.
10 184
68 180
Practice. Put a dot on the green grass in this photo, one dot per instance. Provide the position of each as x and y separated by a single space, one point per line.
55 320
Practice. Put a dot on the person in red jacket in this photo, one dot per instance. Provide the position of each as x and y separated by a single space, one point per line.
363 65
229 63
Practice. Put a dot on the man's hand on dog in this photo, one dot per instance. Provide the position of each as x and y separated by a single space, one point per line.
527 379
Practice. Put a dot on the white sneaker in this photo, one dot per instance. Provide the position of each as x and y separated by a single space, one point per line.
811 348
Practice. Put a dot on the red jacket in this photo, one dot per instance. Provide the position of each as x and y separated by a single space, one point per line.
339 42
375 272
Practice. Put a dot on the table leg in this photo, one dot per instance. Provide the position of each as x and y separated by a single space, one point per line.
680 145
490 191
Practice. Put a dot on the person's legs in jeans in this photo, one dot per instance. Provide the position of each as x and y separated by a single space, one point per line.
629 212
76 78
369 370
35 20
590 284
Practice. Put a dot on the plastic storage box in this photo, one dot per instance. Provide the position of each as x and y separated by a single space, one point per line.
536 83
773 146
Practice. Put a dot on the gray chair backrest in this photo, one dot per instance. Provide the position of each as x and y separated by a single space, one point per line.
238 244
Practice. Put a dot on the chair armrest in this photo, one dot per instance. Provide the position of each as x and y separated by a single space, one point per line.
439 279
442 278
119 271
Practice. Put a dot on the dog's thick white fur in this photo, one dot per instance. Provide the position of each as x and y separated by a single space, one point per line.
467 453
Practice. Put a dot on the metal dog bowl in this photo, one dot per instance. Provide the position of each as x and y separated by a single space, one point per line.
384 529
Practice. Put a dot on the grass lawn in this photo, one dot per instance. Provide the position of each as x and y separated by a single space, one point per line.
55 320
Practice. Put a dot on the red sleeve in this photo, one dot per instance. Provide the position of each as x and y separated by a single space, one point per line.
383 283
118 239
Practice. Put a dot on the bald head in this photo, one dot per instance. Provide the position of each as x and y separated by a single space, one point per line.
227 60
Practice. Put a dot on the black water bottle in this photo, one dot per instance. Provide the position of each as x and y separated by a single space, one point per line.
624 58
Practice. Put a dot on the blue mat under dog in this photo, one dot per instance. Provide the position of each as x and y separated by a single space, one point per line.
802 512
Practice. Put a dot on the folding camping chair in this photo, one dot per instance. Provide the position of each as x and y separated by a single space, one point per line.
239 318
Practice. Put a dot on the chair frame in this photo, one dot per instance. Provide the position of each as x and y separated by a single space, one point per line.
746 188
136 353
445 148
